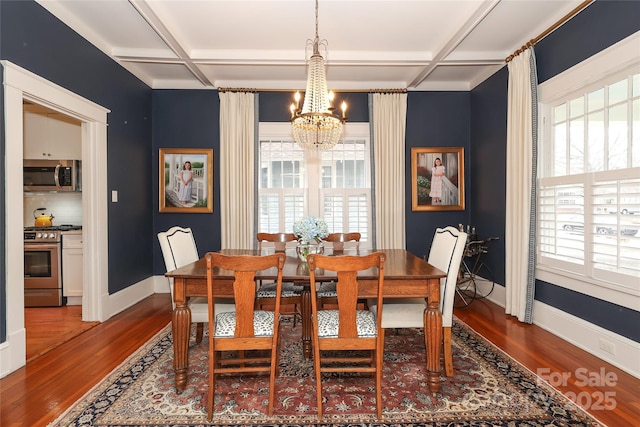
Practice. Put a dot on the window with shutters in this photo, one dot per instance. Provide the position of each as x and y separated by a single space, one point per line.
334 184
589 178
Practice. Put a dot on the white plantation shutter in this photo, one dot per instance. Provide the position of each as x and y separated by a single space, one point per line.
279 210
347 211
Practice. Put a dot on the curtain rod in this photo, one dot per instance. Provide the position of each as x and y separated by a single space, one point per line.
242 89
388 91
542 35
226 89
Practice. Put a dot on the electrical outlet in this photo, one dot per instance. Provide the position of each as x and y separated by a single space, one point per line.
607 346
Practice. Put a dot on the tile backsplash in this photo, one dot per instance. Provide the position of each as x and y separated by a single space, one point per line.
66 208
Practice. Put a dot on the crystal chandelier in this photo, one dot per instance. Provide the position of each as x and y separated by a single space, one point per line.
317 126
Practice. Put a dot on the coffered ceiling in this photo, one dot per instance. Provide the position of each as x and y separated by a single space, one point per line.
260 44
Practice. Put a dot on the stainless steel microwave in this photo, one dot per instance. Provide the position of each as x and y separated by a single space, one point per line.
51 175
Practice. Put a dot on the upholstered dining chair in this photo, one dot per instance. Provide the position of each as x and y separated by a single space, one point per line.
291 293
338 242
246 328
179 249
445 254
347 329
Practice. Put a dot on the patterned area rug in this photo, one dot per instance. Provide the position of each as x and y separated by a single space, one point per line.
488 389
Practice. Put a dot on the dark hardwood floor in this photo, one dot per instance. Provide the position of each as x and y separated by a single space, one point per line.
38 393
49 327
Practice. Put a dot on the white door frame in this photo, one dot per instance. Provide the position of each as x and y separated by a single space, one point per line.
21 85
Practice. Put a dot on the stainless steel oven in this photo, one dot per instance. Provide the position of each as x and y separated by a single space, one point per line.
42 269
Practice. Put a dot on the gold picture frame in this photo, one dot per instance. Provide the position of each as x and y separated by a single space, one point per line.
195 194
441 187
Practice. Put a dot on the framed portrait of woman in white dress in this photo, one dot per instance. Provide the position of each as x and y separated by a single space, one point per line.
437 179
186 180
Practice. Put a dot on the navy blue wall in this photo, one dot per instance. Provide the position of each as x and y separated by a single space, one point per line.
435 119
488 167
187 119
274 106
37 41
597 27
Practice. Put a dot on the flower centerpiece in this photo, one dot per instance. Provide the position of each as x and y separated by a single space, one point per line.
309 231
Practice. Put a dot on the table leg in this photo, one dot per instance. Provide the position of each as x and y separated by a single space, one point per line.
181 328
306 322
433 334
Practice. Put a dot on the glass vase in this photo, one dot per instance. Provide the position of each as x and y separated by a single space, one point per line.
303 249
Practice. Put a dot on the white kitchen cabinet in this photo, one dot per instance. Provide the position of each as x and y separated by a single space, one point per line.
52 136
72 267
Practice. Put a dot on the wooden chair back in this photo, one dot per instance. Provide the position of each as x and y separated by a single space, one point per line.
338 240
244 288
276 240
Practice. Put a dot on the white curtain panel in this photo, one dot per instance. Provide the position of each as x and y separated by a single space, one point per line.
389 118
521 160
237 133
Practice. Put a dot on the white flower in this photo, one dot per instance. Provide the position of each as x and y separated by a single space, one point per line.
310 228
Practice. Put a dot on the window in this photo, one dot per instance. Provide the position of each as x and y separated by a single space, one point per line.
589 178
334 184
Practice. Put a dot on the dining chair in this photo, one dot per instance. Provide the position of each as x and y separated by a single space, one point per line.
291 293
445 254
338 333
246 328
338 242
179 249
341 241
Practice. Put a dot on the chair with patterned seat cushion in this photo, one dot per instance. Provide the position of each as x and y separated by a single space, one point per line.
347 339
245 329
339 244
291 293
179 249
445 254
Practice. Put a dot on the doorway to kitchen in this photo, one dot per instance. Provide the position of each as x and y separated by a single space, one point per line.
53 267
21 85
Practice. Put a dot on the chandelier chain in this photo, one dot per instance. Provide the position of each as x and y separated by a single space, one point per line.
317 37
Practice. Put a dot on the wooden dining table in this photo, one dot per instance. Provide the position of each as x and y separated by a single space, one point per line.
405 276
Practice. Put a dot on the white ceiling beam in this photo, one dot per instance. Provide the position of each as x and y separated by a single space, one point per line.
474 20
145 11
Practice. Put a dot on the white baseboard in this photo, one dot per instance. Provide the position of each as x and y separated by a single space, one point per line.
161 284
589 337
76 300
579 332
132 295
12 356
135 293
